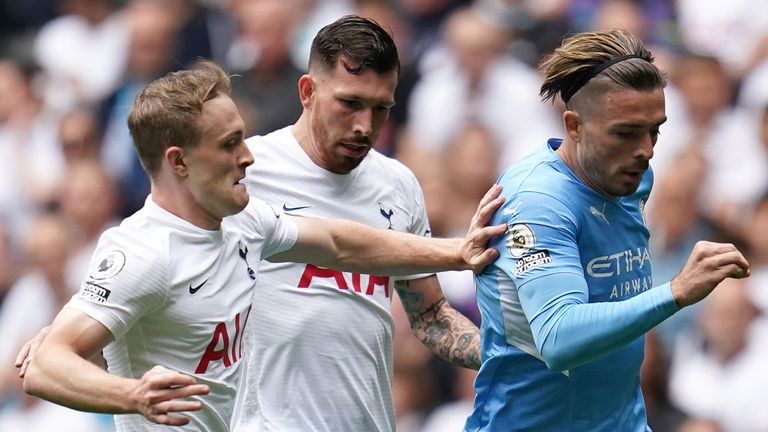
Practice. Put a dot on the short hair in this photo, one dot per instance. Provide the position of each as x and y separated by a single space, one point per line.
359 43
166 112
615 54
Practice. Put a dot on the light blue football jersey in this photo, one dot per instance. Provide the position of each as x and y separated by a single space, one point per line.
565 307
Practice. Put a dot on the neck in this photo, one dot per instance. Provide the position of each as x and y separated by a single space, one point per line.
567 152
302 131
174 198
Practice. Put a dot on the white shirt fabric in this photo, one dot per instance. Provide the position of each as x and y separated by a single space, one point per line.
176 295
731 394
323 344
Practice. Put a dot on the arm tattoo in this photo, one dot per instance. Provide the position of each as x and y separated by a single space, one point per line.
441 328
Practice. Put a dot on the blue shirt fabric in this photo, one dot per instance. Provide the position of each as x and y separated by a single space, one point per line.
566 305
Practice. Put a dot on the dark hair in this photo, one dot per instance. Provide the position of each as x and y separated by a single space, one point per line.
616 54
358 43
167 111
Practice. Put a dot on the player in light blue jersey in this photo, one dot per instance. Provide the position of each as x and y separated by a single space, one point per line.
566 306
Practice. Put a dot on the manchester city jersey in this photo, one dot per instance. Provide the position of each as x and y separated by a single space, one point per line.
561 229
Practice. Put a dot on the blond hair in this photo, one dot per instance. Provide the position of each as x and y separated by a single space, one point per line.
166 112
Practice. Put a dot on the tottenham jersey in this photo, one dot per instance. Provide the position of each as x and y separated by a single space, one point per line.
559 226
322 338
179 296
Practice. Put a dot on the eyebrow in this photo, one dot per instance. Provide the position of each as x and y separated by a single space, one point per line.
389 103
633 125
238 134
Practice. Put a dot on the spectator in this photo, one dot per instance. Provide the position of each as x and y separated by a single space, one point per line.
89 201
472 78
79 134
83 52
153 38
717 374
31 160
266 89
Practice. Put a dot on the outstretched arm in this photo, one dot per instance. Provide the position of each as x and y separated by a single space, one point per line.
570 332
439 326
352 246
61 372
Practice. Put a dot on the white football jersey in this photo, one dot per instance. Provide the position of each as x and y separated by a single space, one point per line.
179 296
322 339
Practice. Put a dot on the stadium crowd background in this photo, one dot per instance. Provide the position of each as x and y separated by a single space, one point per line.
468 106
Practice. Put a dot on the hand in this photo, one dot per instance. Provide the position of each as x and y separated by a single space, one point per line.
474 247
29 349
159 391
707 266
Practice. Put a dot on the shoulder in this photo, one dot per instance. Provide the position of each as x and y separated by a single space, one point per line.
139 233
540 207
262 143
258 217
141 241
126 261
137 244
257 143
537 172
387 168
260 210
538 190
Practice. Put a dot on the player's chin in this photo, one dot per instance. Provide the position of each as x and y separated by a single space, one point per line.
625 187
240 198
348 164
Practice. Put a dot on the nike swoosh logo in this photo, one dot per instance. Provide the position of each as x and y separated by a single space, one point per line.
290 209
197 288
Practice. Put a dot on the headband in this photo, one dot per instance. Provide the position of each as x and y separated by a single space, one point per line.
583 76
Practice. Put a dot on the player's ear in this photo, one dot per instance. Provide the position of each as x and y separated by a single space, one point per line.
174 158
572 123
306 90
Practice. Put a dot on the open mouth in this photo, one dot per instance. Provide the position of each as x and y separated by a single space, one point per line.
354 150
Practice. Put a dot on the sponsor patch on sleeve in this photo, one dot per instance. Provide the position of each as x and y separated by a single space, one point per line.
93 292
531 260
520 240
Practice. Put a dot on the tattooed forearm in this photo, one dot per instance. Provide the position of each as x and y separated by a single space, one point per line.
441 328
433 309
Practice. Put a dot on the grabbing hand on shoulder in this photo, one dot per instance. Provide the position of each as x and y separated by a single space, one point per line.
474 247
708 264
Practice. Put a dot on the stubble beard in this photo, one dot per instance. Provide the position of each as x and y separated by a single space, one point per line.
600 180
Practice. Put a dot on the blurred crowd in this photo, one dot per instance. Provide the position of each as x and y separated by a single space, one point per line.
468 106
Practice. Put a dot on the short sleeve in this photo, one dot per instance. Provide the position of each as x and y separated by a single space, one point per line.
419 223
126 280
278 231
